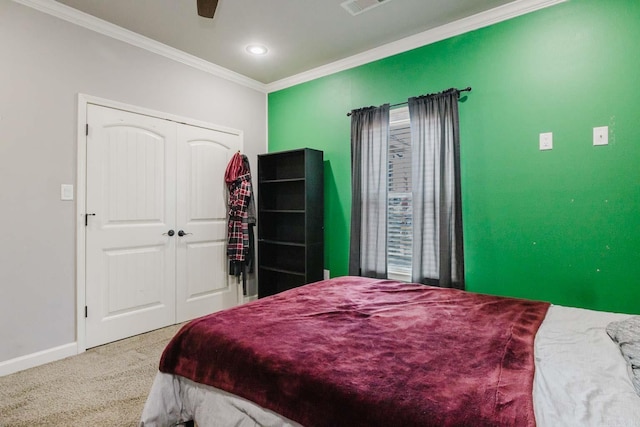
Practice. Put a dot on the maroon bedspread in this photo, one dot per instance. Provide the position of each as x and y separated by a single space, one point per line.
353 351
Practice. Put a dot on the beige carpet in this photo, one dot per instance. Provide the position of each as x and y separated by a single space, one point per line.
105 386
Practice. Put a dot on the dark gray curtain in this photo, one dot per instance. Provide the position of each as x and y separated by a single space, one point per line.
436 197
369 177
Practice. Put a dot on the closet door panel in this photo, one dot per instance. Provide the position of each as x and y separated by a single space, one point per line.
203 283
130 258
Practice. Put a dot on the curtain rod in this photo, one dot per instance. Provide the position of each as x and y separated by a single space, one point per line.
467 89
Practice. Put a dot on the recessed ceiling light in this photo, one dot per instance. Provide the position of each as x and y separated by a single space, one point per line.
257 49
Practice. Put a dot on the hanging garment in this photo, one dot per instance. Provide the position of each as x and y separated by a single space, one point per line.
239 248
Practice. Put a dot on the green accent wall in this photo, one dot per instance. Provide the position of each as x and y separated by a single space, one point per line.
561 225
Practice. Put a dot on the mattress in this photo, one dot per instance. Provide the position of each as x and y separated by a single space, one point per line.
580 380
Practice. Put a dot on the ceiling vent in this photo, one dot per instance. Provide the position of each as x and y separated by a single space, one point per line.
356 7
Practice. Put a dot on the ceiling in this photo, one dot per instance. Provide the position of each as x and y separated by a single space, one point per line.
301 35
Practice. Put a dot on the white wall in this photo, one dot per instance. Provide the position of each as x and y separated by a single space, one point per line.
44 63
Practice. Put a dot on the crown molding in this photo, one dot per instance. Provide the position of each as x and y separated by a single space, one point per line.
480 20
98 25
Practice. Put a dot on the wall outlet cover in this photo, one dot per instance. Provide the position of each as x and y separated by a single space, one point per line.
546 141
601 135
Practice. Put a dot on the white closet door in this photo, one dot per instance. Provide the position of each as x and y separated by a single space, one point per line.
203 283
130 258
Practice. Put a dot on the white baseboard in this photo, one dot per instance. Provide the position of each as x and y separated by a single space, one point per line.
36 359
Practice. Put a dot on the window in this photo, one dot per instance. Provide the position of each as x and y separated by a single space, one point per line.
399 216
406 221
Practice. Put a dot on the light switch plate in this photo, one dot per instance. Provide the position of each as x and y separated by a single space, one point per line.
66 192
546 141
601 135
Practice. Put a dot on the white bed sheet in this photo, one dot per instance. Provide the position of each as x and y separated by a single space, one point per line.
175 399
580 380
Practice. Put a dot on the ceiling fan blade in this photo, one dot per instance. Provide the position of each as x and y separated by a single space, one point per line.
206 8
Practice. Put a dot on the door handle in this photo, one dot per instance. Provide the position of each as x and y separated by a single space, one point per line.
170 233
182 233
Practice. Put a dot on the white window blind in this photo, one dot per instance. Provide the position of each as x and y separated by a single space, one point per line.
399 220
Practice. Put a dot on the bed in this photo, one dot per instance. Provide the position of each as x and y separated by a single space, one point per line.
356 351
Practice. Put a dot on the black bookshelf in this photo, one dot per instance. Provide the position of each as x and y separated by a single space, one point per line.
290 220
